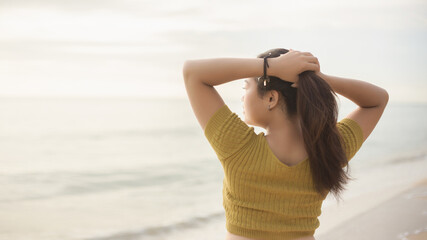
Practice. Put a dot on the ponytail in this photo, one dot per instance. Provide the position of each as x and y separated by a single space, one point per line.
318 112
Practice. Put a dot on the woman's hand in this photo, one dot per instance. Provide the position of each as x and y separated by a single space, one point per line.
289 65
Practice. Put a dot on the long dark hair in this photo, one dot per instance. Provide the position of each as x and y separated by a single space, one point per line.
313 101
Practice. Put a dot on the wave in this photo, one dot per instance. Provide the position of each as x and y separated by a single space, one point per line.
145 133
418 155
63 183
155 232
183 131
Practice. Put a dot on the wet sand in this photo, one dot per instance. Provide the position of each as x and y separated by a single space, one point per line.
403 216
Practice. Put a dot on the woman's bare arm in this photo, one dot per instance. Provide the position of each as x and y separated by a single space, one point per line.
370 98
217 71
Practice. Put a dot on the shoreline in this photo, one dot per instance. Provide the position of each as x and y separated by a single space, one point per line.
401 214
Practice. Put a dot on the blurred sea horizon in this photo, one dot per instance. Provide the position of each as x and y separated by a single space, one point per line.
141 168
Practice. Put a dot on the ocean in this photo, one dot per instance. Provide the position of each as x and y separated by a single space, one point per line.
140 168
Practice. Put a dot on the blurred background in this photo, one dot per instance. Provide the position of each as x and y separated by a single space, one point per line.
98 139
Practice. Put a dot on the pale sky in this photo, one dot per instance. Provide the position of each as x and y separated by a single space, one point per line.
137 48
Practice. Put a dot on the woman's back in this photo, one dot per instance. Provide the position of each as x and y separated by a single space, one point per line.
260 191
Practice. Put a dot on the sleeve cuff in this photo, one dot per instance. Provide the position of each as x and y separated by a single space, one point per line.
357 130
216 120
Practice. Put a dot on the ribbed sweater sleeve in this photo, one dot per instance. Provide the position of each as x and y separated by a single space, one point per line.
352 135
227 133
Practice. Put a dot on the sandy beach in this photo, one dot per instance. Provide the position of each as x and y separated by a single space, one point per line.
402 216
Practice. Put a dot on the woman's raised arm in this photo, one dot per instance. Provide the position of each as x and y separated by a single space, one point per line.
201 75
370 98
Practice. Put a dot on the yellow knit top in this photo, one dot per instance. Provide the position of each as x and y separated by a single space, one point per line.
264 198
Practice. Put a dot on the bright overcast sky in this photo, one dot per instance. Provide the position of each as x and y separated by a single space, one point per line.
137 48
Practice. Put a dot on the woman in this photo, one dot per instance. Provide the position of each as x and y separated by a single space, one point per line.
275 183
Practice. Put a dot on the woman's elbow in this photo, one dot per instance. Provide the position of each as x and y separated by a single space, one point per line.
186 70
385 97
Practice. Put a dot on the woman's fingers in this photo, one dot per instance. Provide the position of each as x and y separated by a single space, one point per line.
310 62
311 67
302 53
311 59
307 53
297 63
